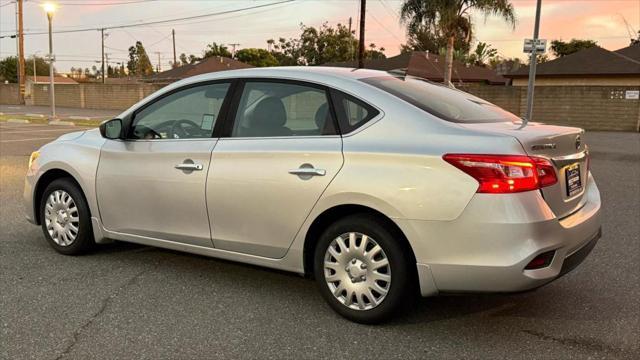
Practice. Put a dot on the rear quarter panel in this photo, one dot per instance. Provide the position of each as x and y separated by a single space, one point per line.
395 165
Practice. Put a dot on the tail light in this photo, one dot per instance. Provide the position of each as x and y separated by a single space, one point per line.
505 173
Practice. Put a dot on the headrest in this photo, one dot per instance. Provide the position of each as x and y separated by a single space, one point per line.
269 112
322 114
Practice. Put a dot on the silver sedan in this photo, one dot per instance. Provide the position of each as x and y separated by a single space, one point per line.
378 186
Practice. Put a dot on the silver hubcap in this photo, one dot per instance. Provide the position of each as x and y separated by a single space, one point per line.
357 271
61 218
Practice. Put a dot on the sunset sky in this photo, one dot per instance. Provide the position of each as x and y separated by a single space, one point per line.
600 20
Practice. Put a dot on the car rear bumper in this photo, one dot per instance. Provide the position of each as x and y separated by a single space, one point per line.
488 247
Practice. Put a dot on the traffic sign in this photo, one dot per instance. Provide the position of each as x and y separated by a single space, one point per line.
541 46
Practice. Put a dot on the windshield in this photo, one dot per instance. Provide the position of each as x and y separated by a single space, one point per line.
441 101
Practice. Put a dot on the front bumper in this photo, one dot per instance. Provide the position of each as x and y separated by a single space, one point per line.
488 247
28 196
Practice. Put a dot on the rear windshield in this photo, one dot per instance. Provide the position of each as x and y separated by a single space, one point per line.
441 101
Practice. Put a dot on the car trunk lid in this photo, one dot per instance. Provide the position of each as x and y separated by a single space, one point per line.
564 146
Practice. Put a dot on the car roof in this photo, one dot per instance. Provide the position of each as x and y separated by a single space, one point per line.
295 72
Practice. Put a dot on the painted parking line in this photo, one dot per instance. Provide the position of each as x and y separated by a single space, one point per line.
40 126
37 131
31 139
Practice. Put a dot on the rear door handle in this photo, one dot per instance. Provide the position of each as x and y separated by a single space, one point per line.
189 167
308 172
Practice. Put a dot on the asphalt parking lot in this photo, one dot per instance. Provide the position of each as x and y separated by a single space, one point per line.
130 301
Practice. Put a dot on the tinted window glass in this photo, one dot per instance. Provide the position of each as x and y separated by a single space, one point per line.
448 104
282 109
352 112
355 113
189 113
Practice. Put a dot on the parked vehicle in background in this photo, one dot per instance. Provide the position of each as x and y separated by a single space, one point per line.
377 186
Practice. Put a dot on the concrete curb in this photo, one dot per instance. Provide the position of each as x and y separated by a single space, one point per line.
18 121
60 122
79 117
35 115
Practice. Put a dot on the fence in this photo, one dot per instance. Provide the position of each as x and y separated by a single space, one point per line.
589 107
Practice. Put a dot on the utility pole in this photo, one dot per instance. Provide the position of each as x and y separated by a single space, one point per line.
102 37
532 67
363 9
350 42
50 9
158 68
106 62
233 49
21 65
175 61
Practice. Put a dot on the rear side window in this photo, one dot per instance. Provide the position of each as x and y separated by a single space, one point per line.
270 108
441 101
352 112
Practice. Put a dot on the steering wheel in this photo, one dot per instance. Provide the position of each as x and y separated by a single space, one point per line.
184 128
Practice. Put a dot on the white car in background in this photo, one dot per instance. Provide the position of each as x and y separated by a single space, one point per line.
378 186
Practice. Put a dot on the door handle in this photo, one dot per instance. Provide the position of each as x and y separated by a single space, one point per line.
189 167
308 172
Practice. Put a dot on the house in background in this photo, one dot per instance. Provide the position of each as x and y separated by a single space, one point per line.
589 67
208 65
31 81
431 67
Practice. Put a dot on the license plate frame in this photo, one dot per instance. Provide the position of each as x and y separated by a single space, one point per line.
573 179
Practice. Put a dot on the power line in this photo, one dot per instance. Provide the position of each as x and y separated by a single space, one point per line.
383 26
101 4
161 21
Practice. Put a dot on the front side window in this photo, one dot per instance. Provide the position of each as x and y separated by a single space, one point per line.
269 109
441 101
186 114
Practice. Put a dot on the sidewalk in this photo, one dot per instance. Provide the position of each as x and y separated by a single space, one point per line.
60 111
40 114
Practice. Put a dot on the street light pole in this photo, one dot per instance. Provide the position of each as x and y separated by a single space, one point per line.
50 8
532 67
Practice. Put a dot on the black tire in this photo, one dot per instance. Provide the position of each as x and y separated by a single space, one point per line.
83 241
400 263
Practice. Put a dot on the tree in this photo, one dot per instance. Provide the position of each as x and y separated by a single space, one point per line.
317 46
451 19
540 59
214 49
139 63
9 69
482 55
185 60
327 44
424 39
373 53
636 41
561 48
42 66
256 57
287 52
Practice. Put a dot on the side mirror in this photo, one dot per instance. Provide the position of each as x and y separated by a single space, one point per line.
111 129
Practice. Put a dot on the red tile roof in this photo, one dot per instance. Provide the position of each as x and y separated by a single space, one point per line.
56 80
208 65
429 66
593 61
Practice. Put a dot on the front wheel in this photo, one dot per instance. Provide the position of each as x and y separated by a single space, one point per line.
65 218
362 269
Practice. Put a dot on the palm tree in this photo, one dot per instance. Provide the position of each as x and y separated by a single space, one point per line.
451 19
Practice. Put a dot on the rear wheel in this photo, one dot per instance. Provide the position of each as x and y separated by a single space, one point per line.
362 269
65 218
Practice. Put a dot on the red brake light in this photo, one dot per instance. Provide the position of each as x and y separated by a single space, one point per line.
505 173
